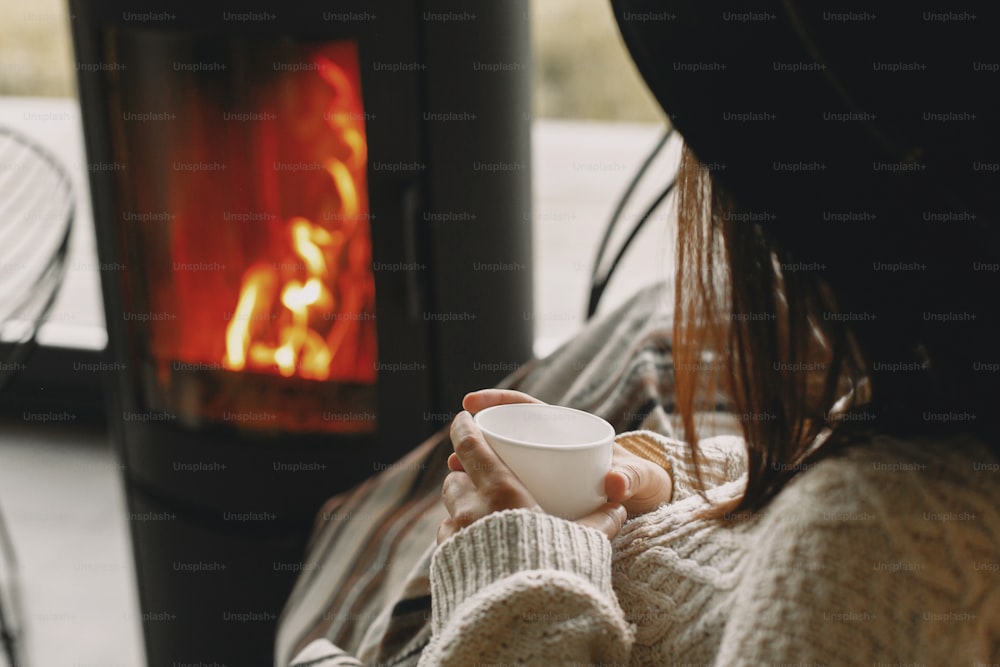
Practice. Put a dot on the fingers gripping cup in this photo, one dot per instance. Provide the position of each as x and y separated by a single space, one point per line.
560 454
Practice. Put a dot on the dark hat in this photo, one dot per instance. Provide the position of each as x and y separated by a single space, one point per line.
865 139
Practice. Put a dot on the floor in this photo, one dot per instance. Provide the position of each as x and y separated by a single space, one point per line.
61 494
60 485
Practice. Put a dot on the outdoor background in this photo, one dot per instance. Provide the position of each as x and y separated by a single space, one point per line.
581 68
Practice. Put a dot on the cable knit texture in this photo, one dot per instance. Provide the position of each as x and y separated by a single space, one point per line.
886 553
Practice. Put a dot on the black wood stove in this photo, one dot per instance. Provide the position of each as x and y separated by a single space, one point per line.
310 221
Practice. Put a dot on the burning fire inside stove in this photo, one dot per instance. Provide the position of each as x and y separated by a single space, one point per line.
251 251
313 318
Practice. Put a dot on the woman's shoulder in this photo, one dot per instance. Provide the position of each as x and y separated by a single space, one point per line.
904 475
907 530
898 481
927 504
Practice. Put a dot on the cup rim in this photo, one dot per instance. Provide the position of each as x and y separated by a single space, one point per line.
524 443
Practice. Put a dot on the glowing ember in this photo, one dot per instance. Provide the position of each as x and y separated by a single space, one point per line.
296 313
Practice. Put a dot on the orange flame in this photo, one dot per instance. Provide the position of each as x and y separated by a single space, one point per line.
282 323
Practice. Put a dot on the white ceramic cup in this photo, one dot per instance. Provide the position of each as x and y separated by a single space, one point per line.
561 455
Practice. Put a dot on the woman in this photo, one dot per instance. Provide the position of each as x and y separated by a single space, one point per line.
836 273
837 260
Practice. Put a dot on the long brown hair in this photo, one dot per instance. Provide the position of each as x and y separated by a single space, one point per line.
762 331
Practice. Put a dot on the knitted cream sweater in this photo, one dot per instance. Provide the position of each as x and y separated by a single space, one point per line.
888 554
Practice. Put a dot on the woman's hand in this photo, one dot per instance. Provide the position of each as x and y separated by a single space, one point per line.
480 483
487 398
637 483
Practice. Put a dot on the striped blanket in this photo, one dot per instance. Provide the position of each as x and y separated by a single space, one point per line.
365 581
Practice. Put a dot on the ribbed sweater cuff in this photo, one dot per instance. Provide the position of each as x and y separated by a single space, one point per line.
511 541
